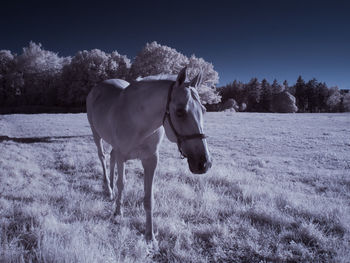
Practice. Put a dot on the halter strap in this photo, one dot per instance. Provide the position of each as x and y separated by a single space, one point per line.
180 138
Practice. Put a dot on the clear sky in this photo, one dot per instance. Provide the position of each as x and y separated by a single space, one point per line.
243 39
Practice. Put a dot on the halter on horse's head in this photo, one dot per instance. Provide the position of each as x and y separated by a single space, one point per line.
183 122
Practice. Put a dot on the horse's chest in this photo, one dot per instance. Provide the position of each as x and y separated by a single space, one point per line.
134 149
138 152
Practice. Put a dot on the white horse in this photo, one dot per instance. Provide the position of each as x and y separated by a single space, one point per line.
131 119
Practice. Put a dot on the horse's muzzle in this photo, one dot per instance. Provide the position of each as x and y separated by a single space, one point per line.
199 165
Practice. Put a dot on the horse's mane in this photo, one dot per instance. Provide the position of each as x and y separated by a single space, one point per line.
158 77
196 97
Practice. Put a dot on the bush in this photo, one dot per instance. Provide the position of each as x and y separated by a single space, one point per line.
283 102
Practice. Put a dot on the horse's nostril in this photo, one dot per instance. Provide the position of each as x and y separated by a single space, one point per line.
209 164
204 166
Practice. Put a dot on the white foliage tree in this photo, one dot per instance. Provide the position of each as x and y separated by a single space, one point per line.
88 68
155 59
210 78
119 66
36 60
40 69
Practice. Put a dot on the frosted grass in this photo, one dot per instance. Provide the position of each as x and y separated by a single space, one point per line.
278 191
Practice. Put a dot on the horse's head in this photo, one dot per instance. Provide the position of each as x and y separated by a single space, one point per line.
183 123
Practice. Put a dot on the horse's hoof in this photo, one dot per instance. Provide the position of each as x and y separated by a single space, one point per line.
117 218
152 247
118 213
111 196
150 238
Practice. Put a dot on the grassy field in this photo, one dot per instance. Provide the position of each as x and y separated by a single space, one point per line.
278 191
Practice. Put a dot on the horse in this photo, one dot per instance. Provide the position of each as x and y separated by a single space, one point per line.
133 118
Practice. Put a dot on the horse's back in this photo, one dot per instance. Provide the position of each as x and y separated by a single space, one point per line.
116 83
103 92
100 101
106 89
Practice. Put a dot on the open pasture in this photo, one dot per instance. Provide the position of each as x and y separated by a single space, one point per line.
278 191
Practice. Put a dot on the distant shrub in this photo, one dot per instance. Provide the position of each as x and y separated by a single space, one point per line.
230 105
243 107
283 102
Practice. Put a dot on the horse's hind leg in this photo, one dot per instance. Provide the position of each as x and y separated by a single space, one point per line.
102 157
120 184
113 159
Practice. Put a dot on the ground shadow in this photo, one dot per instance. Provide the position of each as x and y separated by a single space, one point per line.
38 139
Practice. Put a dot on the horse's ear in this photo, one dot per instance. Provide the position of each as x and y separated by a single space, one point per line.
181 77
196 81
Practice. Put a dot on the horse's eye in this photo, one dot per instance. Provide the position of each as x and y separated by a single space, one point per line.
180 113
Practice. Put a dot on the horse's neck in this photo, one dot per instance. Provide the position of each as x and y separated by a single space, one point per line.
147 104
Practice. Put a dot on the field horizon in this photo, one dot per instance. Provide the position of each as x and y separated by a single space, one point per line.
278 191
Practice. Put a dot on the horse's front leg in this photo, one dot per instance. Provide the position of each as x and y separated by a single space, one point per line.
149 164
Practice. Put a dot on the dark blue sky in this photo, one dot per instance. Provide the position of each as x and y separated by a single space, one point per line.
243 39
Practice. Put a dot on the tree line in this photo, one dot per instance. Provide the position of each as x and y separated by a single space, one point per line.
254 96
38 77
